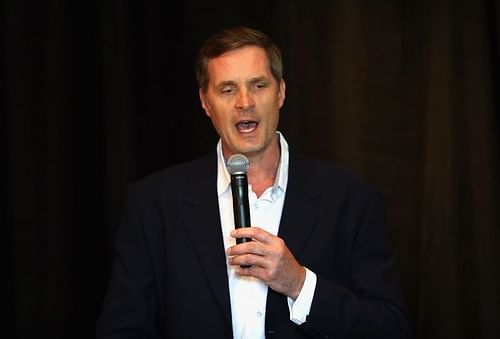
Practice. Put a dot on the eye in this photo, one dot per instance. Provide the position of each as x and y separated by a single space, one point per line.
227 90
260 85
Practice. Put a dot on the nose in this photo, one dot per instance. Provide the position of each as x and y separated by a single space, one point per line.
244 100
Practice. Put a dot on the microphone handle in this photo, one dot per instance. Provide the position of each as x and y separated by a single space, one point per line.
241 208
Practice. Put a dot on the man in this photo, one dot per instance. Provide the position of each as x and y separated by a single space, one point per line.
317 266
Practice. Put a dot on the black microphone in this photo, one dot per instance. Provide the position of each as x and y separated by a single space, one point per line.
237 165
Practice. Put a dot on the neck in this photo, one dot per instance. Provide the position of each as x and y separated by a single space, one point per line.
263 168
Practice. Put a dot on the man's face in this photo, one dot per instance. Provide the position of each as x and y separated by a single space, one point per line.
243 101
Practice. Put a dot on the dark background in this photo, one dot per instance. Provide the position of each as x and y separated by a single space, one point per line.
95 94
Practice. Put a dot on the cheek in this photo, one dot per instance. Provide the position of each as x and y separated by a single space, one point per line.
220 123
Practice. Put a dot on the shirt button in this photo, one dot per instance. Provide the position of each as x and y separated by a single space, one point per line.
259 314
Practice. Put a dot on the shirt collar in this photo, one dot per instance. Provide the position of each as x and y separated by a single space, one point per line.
280 182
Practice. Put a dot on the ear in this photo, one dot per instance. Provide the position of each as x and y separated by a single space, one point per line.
281 93
204 103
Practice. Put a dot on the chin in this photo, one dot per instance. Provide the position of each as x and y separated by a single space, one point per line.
248 147
250 151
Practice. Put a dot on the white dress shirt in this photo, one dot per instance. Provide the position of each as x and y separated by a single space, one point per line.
248 295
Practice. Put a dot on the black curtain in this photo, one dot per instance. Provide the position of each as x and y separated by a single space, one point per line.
95 94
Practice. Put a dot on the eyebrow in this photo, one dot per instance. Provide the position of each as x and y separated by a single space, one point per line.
258 79
226 83
233 83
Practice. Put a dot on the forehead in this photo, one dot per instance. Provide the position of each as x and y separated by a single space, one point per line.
239 64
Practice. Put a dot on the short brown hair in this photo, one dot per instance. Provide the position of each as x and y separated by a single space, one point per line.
231 39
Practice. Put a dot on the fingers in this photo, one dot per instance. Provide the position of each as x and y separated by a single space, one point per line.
251 247
261 251
253 271
265 247
262 243
250 259
268 258
255 266
251 253
255 233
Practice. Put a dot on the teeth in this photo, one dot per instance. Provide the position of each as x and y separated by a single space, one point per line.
246 126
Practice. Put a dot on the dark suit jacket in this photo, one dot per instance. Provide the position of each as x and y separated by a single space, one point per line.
169 277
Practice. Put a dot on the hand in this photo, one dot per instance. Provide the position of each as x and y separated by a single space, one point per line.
271 261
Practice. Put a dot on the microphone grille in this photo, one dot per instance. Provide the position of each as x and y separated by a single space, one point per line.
237 164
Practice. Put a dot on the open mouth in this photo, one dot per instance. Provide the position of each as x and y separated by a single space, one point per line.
247 126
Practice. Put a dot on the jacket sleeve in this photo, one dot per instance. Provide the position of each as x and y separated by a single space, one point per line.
130 307
368 304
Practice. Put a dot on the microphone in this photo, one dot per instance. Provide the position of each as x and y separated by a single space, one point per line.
237 165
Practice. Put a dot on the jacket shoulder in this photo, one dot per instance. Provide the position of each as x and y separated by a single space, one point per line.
333 178
174 179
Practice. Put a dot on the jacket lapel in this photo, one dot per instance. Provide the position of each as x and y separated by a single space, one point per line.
202 222
299 211
298 220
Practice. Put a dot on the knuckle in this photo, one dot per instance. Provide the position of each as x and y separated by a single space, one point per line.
248 258
267 277
280 244
251 246
272 273
280 254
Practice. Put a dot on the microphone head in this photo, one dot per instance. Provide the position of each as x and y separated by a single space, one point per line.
237 164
